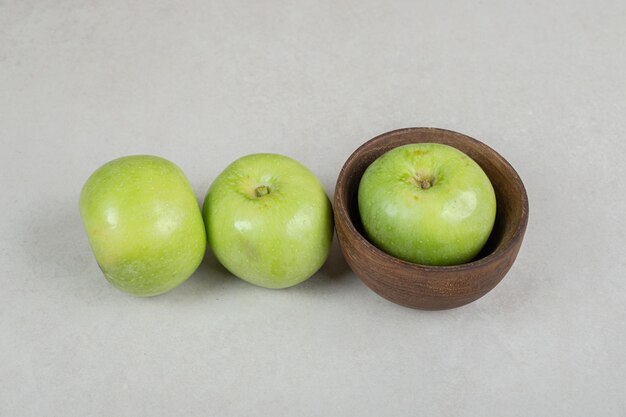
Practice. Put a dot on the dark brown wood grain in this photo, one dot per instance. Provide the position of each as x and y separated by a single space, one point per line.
432 287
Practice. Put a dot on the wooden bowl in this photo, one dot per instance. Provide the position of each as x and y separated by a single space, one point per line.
431 287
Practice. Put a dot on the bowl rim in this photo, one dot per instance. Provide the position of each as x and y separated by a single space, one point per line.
341 206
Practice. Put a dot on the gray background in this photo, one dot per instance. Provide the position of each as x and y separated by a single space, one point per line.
202 83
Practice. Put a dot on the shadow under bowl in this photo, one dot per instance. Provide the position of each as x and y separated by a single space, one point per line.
421 286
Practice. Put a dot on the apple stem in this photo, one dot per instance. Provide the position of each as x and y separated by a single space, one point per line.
423 183
262 190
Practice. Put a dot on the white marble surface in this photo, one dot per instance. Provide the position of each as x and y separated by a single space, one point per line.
202 83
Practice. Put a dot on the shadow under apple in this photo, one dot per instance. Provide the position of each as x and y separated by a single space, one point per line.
56 248
210 280
332 274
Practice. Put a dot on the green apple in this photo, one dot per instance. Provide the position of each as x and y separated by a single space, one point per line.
268 220
427 203
143 223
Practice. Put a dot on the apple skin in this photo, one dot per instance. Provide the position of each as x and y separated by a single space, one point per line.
427 203
143 223
277 238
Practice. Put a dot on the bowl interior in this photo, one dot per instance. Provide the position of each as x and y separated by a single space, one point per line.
511 200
